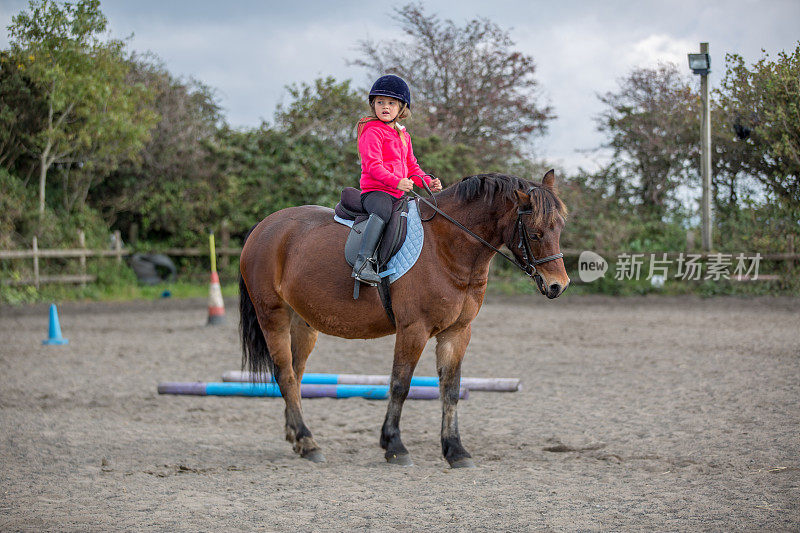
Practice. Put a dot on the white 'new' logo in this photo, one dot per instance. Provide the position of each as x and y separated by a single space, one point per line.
591 266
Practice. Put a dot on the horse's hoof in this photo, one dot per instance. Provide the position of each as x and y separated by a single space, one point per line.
464 462
315 456
401 460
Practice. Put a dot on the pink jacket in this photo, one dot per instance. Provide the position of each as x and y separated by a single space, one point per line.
384 159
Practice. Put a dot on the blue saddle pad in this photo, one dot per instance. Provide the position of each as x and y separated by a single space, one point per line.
407 255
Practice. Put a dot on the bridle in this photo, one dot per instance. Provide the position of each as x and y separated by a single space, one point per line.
529 267
529 263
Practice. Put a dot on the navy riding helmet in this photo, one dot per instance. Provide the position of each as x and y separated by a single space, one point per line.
391 85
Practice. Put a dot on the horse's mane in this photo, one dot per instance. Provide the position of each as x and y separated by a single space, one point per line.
546 203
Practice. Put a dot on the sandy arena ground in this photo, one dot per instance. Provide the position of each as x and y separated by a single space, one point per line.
669 414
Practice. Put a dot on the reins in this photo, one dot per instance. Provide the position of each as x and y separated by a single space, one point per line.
529 267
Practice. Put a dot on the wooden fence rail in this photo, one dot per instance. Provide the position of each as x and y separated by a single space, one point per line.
83 253
226 251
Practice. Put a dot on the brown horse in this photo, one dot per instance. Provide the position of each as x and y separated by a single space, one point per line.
295 283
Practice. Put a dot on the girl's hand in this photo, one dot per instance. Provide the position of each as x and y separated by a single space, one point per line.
405 185
436 185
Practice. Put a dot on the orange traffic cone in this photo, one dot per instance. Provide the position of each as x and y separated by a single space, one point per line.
216 306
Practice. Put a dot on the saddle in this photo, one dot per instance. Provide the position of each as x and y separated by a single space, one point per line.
349 208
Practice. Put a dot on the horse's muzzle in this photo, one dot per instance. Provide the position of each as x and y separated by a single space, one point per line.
553 290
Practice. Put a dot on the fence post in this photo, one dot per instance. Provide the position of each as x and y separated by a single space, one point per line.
225 242
133 233
791 251
82 257
35 262
118 246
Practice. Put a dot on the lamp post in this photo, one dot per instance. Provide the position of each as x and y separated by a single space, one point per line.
701 64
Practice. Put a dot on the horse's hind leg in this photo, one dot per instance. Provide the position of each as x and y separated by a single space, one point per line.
304 337
277 332
451 345
407 349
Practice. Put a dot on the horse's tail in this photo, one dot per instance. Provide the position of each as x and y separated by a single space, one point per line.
255 354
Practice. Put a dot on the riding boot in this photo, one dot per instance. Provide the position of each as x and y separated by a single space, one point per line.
364 266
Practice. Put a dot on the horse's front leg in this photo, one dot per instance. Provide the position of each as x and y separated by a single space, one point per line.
451 345
407 350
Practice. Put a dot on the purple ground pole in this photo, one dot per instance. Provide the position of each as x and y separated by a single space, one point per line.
196 388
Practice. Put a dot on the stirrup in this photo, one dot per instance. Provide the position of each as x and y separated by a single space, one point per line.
357 274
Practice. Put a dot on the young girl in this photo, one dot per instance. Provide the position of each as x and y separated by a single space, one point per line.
388 165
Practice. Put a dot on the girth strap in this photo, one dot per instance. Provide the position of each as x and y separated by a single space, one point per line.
386 298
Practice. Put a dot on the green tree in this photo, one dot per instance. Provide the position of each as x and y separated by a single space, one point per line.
763 103
21 113
93 117
652 121
170 188
327 110
448 162
13 206
732 181
470 85
268 170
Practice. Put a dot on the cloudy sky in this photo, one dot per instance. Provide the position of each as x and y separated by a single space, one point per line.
249 50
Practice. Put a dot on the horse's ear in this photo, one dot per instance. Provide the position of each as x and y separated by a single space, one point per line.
549 179
523 199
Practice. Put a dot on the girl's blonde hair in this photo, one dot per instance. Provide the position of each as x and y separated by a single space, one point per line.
405 112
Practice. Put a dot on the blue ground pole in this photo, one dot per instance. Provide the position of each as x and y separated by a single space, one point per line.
372 392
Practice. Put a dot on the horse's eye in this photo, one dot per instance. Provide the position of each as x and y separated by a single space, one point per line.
536 236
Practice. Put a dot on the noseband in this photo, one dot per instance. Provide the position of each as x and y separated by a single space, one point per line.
529 260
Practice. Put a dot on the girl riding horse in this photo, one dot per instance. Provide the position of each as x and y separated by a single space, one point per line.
294 284
388 165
